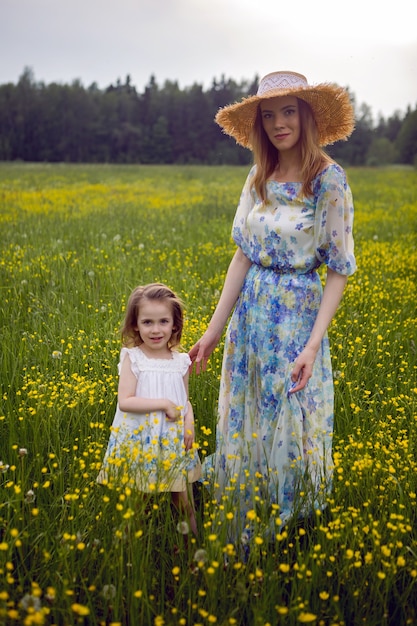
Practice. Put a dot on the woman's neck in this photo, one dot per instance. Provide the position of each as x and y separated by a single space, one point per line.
288 169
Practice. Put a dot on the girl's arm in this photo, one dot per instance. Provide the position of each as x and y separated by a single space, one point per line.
235 276
189 432
332 295
129 403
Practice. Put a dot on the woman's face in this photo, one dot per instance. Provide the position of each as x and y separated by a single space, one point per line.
281 121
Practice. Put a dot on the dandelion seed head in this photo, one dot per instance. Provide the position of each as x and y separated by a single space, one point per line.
109 592
183 527
200 556
30 496
30 603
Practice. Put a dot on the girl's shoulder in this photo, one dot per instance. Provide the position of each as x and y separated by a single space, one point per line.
182 358
132 352
132 356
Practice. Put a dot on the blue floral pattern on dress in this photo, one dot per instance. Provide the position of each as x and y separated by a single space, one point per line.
270 444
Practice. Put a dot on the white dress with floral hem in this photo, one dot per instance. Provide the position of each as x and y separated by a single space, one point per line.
147 450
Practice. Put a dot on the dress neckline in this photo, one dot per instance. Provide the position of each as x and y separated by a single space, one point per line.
298 182
154 358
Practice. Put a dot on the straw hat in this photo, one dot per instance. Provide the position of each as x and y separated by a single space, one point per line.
331 106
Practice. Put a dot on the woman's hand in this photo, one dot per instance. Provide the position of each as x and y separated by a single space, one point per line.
332 295
201 351
303 369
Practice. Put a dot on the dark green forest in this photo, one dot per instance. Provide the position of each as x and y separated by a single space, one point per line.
165 124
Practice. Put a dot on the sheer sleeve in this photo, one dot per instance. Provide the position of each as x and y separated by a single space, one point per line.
246 202
334 221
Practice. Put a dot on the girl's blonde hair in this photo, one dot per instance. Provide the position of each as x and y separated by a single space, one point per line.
154 291
266 156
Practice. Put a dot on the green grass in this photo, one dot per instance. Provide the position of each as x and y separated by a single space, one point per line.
75 241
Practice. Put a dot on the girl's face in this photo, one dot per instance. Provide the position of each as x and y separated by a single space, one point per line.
281 121
155 324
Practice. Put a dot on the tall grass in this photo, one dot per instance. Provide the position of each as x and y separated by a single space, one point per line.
75 241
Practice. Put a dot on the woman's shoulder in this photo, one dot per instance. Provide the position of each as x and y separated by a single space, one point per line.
331 169
332 176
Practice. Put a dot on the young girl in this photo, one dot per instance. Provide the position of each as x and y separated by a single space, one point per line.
152 435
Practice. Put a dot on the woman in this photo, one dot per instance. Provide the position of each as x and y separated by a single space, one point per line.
295 213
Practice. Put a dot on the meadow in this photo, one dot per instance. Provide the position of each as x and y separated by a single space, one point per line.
74 241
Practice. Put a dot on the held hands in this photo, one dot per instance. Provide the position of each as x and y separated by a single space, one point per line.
200 352
303 369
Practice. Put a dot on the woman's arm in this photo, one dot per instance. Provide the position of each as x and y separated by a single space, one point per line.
332 295
235 276
129 403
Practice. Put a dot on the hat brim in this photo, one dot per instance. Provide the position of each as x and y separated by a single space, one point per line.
332 109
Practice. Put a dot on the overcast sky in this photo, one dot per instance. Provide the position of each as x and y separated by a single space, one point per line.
368 46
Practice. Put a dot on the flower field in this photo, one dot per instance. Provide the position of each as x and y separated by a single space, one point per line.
75 241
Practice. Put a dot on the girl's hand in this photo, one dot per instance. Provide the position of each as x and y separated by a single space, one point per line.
200 352
303 369
189 433
172 411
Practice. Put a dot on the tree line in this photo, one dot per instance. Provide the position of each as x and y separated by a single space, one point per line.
163 124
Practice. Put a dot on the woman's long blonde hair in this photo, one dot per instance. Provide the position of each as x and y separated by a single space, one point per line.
266 156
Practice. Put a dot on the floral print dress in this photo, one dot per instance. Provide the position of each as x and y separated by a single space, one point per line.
271 446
